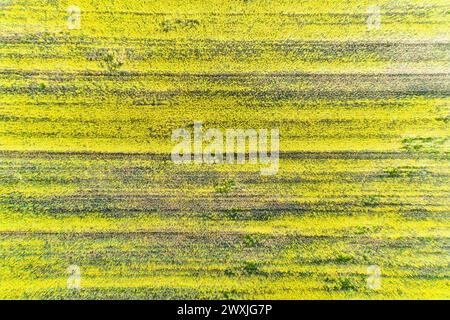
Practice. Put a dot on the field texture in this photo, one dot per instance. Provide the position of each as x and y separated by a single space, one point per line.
89 194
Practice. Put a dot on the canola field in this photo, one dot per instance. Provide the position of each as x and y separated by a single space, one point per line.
91 91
